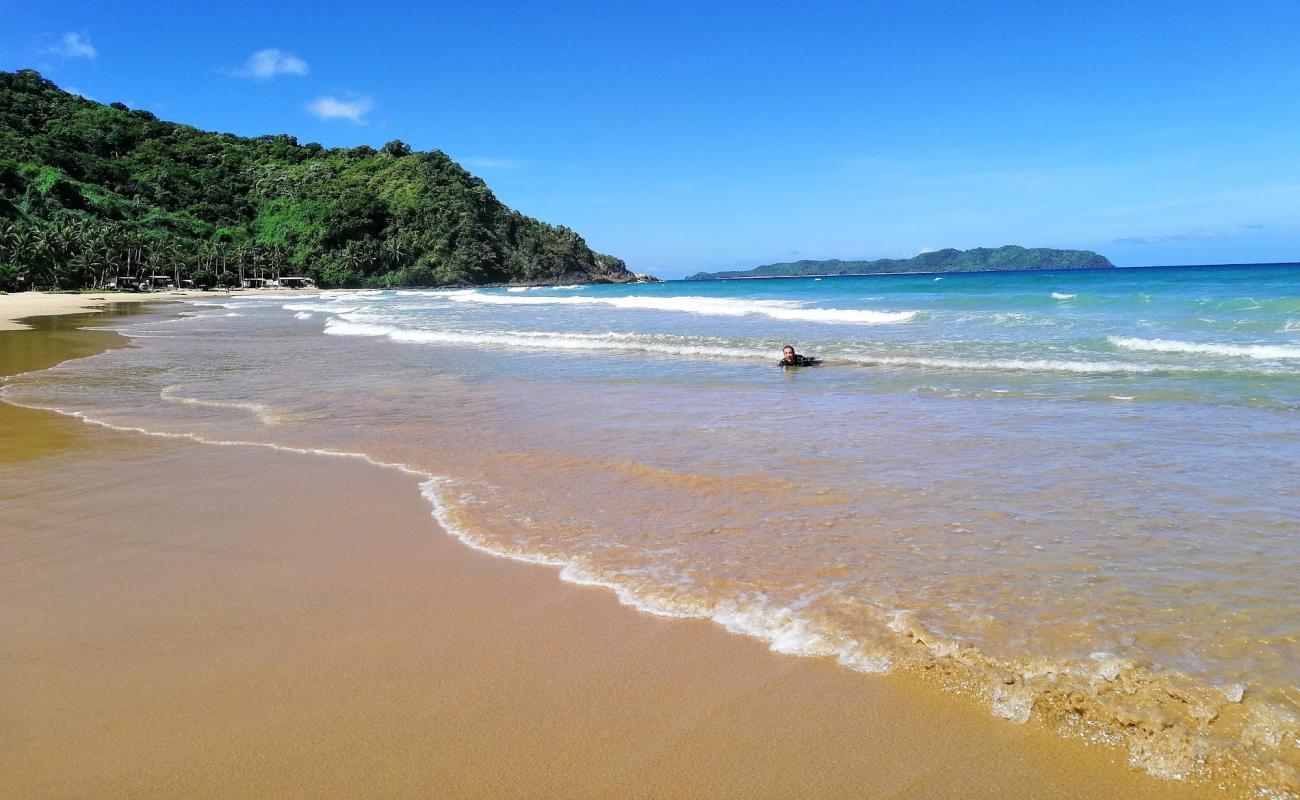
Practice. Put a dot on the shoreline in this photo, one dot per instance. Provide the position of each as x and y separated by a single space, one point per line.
772 723
19 306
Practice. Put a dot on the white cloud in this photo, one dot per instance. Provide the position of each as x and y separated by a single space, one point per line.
269 63
328 107
490 163
74 45
929 248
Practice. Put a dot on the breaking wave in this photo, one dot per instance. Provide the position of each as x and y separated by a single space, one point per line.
670 344
1260 351
541 340
712 306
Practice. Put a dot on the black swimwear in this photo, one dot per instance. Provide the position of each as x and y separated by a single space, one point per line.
800 361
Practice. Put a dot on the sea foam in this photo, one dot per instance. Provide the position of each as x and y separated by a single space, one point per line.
668 344
712 306
541 340
262 412
1260 351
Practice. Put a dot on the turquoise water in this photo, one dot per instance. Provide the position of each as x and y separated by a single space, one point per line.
1077 484
1219 335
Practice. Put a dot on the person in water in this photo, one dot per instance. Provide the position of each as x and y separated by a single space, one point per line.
789 358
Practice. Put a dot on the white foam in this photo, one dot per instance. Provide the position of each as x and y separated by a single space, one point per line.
243 301
1014 703
1020 365
686 346
1063 296
1260 351
302 315
1109 666
185 316
541 340
321 308
259 410
710 306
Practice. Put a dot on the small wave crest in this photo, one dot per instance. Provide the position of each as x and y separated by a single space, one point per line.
262 412
669 344
1021 365
1259 351
541 340
712 306
1063 296
321 308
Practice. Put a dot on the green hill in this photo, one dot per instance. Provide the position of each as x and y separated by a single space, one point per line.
980 259
91 191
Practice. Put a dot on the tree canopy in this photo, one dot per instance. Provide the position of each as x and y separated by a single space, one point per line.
91 191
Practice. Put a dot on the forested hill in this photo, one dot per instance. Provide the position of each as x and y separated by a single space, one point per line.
980 259
90 191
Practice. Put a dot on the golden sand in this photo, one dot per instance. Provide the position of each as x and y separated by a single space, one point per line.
191 621
14 307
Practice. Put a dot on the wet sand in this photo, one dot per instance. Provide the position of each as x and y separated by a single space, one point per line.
184 620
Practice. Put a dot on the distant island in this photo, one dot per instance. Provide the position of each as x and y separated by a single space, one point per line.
979 259
93 193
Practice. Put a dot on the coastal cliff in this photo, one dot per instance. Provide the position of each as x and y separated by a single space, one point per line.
91 191
979 259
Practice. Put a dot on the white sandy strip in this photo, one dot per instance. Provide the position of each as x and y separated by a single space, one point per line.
14 307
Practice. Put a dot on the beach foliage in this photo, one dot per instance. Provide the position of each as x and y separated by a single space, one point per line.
90 192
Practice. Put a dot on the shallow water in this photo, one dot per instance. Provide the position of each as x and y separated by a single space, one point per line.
1072 490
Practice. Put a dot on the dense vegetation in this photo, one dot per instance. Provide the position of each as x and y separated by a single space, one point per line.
89 192
980 259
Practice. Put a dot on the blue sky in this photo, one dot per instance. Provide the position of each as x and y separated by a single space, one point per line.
686 136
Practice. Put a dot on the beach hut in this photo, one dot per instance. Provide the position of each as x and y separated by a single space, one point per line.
297 282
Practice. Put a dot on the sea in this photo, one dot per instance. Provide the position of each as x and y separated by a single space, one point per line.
1072 496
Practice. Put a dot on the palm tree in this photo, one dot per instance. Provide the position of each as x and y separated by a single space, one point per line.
85 261
110 258
176 252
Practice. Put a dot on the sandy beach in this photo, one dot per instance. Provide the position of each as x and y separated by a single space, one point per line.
14 307
185 620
